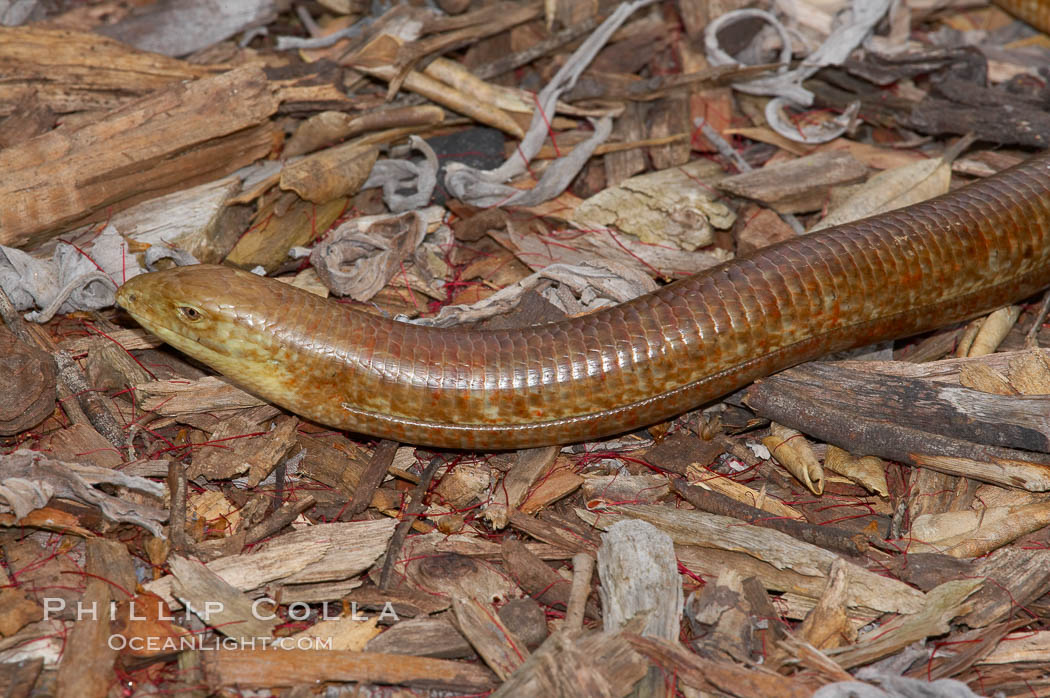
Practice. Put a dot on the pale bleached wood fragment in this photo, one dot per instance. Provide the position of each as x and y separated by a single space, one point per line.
179 397
776 551
217 603
334 551
677 206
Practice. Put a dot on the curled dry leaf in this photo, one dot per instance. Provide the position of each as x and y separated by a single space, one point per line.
30 481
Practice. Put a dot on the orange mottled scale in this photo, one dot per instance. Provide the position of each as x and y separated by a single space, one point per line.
1034 12
889 276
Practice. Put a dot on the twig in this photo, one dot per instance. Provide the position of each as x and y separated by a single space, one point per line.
1031 338
582 568
273 523
372 477
414 508
94 408
177 506
541 48
828 537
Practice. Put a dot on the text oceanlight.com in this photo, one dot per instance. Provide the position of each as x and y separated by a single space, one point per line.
199 642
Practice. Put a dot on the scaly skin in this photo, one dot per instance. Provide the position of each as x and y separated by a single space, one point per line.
1034 12
625 367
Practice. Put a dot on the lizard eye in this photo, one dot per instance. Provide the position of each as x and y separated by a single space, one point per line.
190 313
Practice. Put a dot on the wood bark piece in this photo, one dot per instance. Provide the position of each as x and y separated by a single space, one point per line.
582 569
86 670
217 603
177 505
99 412
321 553
558 482
597 665
640 580
110 367
29 120
1002 525
646 489
331 173
17 679
265 668
69 71
284 516
798 185
27 384
527 620
16 610
530 466
670 117
830 537
947 370
372 476
280 225
777 550
185 134
502 651
411 511
180 397
450 33
676 206
1029 374
762 228
334 461
878 415
740 494
828 625
1009 124
81 404
199 220
423 637
453 575
537 579
407 602
942 605
553 534
624 164
238 445
334 126
376 60
639 574
721 619
707 675
1015 578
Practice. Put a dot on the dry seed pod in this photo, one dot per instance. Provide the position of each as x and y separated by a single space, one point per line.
792 451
